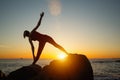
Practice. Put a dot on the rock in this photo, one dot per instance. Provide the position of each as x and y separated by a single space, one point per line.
32 72
2 75
74 67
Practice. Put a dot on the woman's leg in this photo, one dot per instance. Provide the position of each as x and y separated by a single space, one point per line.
40 48
50 40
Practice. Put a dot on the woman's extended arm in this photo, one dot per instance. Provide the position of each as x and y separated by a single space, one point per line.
32 47
39 22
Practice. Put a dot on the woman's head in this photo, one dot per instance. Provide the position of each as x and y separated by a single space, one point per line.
26 33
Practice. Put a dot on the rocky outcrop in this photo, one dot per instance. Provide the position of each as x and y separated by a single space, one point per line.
74 67
2 75
32 72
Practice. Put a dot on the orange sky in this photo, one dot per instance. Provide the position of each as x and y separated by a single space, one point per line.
51 52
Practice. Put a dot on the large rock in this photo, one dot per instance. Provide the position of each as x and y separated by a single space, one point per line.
74 67
32 72
2 75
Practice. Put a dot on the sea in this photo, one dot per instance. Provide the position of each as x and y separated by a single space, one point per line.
104 69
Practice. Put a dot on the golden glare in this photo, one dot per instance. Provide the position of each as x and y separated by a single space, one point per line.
62 56
55 7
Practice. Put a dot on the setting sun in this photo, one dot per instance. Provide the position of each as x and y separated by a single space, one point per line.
62 56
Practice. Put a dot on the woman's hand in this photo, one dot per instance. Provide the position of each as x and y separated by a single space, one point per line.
42 14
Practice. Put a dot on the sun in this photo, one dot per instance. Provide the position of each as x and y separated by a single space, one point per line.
61 56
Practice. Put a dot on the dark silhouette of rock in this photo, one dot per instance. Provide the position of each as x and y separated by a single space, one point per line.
32 72
74 67
2 75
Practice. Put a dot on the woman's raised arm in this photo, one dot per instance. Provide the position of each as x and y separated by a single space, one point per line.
39 22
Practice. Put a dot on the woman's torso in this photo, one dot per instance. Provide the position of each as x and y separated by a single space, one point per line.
36 36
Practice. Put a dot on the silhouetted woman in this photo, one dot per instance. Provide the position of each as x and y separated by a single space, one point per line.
41 38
